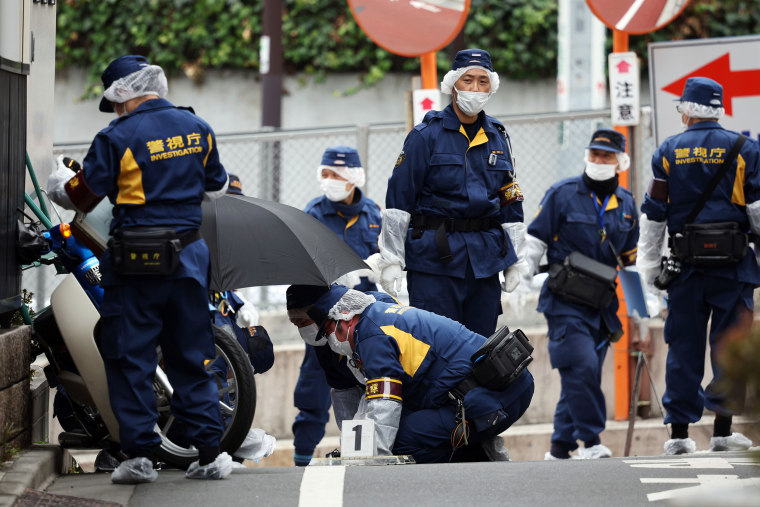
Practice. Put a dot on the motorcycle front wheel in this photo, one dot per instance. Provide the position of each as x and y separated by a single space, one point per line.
233 374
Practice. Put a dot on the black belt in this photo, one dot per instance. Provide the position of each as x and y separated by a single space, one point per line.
189 237
464 387
444 225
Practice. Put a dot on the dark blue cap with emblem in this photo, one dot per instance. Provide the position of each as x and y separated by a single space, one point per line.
323 304
117 69
341 156
472 58
235 186
704 91
607 140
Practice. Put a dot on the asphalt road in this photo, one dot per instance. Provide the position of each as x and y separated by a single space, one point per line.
727 478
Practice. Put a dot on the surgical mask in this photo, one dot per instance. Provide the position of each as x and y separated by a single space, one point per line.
335 190
309 335
339 347
600 172
471 103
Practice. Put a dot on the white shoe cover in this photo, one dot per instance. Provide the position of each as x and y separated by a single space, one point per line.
595 452
736 442
549 457
134 471
680 446
220 468
257 444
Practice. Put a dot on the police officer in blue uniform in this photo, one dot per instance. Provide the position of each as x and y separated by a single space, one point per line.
593 215
717 289
155 163
412 359
355 218
453 216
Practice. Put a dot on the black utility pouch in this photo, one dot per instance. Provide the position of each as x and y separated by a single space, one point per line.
710 244
501 359
145 251
581 279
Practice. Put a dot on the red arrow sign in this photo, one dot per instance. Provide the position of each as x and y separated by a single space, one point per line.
623 67
740 83
427 104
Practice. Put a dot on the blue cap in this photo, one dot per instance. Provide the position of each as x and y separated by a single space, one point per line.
117 69
703 90
341 156
472 58
324 303
607 140
235 186
303 296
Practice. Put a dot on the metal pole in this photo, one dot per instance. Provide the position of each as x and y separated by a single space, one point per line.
271 66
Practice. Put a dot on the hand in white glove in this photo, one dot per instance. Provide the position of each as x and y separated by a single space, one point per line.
391 278
350 279
247 315
511 279
56 182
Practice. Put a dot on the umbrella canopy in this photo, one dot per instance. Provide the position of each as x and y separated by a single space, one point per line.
254 242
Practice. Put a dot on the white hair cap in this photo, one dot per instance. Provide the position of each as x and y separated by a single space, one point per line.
353 175
149 80
694 110
453 76
351 304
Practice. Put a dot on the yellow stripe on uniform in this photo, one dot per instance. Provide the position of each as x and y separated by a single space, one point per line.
352 221
666 166
480 137
611 204
738 195
130 181
210 147
413 351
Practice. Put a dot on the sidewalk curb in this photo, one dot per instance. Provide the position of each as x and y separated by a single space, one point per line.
34 468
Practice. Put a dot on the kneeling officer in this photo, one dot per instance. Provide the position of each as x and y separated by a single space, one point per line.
423 391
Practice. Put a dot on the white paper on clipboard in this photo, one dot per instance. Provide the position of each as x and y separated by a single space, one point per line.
633 289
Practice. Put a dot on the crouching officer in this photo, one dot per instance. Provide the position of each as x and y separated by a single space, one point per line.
587 226
156 163
706 192
432 388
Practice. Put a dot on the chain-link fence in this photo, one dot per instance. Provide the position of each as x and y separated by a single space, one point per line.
282 165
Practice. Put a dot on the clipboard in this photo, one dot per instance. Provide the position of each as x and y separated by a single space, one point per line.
633 289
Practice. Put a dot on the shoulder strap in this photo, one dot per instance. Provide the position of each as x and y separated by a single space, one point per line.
716 178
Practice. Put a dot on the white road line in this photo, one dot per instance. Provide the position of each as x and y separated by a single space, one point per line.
632 10
322 486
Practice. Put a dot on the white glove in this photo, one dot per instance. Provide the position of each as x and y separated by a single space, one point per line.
350 279
649 250
534 251
247 315
56 182
391 278
375 262
212 195
753 213
512 276
393 236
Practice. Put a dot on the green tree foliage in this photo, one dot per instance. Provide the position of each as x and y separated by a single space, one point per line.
321 36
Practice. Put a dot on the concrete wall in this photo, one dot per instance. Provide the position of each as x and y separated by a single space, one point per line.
231 101
15 398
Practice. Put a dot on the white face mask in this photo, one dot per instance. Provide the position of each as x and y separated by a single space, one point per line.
309 335
600 172
471 103
335 190
339 347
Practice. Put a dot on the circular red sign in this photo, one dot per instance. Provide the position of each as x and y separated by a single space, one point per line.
636 16
410 27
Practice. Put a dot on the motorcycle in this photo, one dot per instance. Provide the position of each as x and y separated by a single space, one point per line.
67 333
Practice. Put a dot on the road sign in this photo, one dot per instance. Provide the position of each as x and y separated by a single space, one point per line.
424 101
636 16
624 88
731 61
410 27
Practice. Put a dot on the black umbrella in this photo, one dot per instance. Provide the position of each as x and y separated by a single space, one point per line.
254 242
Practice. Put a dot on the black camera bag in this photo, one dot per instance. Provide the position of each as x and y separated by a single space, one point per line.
581 279
148 250
501 359
710 244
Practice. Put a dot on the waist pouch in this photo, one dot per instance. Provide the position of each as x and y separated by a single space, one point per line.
581 279
710 244
148 250
501 359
